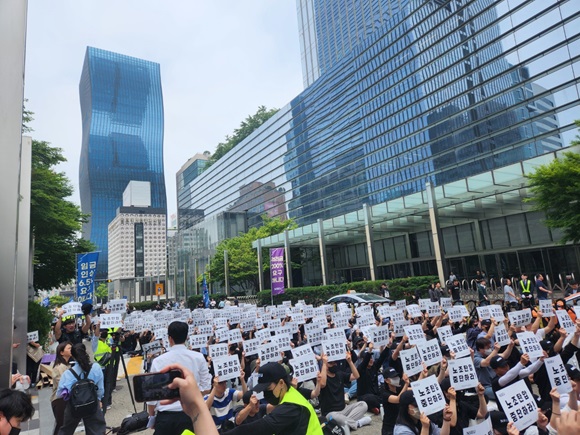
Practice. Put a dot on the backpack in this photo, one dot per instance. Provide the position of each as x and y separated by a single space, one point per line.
331 427
84 400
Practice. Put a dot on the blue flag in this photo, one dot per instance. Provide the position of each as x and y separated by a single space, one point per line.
45 302
205 292
86 274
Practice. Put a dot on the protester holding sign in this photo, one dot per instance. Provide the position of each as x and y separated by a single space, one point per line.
220 401
66 327
410 421
367 383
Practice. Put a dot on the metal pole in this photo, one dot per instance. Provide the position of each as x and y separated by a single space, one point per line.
226 273
436 231
322 247
260 267
288 262
184 284
156 291
369 239
196 292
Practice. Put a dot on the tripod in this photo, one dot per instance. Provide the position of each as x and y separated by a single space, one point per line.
111 376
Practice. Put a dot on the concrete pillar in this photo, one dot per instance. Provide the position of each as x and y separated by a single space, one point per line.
288 262
226 273
369 239
322 247
436 232
260 267
12 47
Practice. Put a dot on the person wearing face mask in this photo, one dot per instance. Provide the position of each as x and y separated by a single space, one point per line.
292 413
482 359
411 421
390 397
15 408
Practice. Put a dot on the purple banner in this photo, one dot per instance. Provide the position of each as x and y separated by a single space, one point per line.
277 270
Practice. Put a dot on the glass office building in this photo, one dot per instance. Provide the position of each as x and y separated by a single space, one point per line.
122 116
463 96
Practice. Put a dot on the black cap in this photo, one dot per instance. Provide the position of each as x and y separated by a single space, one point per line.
573 372
390 373
497 362
573 282
246 397
546 344
445 384
407 398
499 421
268 373
486 322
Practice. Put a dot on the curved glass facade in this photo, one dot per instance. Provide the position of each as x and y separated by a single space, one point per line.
122 116
439 91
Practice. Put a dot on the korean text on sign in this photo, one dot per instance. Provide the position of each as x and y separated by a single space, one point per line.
518 404
462 373
428 395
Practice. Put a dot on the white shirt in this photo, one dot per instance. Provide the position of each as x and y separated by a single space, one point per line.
191 360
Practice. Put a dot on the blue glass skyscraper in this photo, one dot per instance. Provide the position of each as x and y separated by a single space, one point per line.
122 116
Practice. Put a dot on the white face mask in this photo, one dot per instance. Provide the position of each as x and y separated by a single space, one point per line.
487 352
415 413
396 382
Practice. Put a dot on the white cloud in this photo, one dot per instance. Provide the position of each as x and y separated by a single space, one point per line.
220 60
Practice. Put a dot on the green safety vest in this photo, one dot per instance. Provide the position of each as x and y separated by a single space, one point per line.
102 349
526 289
293 396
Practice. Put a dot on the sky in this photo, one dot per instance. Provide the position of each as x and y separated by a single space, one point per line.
220 60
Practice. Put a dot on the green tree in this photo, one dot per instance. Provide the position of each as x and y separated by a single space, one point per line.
242 258
556 192
55 222
39 319
247 127
57 301
102 291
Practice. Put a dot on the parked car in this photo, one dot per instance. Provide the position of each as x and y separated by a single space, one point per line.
358 298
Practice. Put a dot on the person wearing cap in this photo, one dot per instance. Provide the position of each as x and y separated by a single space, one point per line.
252 409
368 383
66 327
482 357
390 397
506 376
464 410
292 413
499 421
332 403
411 421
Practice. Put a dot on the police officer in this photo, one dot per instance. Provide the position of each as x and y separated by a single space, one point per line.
293 414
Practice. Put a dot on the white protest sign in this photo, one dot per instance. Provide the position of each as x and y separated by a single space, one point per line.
415 334
380 336
458 345
251 346
430 352
235 336
111 321
263 334
72 308
483 428
496 312
414 310
340 321
483 313
305 367
521 317
269 352
152 348
300 351
401 304
411 361
557 374
218 350
198 341
283 342
227 367
518 404
443 332
462 373
314 334
129 325
423 303
433 309
298 318
117 305
530 344
335 334
308 311
546 307
365 319
335 350
576 311
428 395
501 335
220 323
565 321
457 313
32 337
205 329
446 303
398 317
222 334
399 328
385 310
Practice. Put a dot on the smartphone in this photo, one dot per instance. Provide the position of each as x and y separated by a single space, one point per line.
153 386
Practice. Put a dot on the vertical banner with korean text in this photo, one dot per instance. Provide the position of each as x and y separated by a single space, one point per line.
86 271
277 270
205 292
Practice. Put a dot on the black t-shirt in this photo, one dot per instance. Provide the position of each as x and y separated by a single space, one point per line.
285 419
332 395
75 337
455 292
391 411
261 413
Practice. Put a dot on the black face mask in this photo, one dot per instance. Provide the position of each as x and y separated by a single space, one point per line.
333 369
270 398
13 430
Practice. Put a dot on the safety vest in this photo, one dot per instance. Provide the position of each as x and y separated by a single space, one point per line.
526 289
293 396
102 349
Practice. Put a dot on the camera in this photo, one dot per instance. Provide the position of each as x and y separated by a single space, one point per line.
154 386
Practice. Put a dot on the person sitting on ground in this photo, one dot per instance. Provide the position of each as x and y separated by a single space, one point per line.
252 409
220 400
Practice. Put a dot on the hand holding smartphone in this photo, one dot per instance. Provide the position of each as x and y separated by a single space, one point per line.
154 386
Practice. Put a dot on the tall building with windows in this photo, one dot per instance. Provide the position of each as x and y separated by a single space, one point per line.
425 104
122 139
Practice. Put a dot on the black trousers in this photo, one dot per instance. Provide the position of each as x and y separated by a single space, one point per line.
94 424
172 423
371 400
58 407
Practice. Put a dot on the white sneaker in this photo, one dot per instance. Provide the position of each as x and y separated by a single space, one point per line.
346 398
364 421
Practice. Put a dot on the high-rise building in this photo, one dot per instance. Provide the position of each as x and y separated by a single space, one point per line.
192 169
426 103
122 117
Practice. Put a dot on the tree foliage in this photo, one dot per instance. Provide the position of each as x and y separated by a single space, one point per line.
242 258
102 292
556 192
55 222
247 127
39 319
57 301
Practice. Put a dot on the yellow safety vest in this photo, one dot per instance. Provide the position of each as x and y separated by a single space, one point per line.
526 289
293 396
102 349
